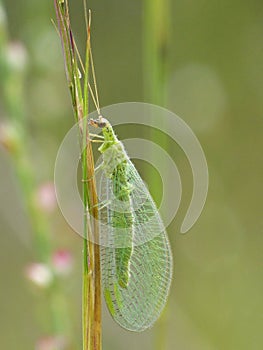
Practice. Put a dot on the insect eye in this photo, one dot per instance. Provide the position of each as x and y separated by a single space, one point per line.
102 122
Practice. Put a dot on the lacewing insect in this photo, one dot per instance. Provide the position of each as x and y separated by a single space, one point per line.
136 258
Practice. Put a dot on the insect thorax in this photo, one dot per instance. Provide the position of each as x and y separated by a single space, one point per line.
112 157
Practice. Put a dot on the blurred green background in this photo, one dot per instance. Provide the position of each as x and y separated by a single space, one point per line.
214 82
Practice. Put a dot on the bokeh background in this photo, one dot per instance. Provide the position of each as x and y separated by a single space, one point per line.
212 79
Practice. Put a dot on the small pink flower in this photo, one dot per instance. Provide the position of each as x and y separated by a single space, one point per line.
51 343
39 274
62 262
46 197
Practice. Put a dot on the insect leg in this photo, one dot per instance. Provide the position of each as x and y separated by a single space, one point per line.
101 205
98 168
96 135
96 141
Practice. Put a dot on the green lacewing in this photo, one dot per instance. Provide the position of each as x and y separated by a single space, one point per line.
136 258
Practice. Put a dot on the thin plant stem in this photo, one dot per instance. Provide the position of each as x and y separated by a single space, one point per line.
13 92
156 40
91 285
156 44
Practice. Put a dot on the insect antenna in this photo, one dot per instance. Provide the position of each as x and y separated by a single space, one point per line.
95 96
83 70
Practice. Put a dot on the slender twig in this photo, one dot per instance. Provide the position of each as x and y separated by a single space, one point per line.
91 288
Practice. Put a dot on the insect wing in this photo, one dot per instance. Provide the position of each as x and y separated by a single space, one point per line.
137 306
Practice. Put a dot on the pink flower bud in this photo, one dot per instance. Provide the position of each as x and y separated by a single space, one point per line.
62 262
46 197
39 274
51 343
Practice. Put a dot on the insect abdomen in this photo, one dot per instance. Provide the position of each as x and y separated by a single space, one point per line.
122 220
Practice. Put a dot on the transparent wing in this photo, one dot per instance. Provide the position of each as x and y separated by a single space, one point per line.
137 306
